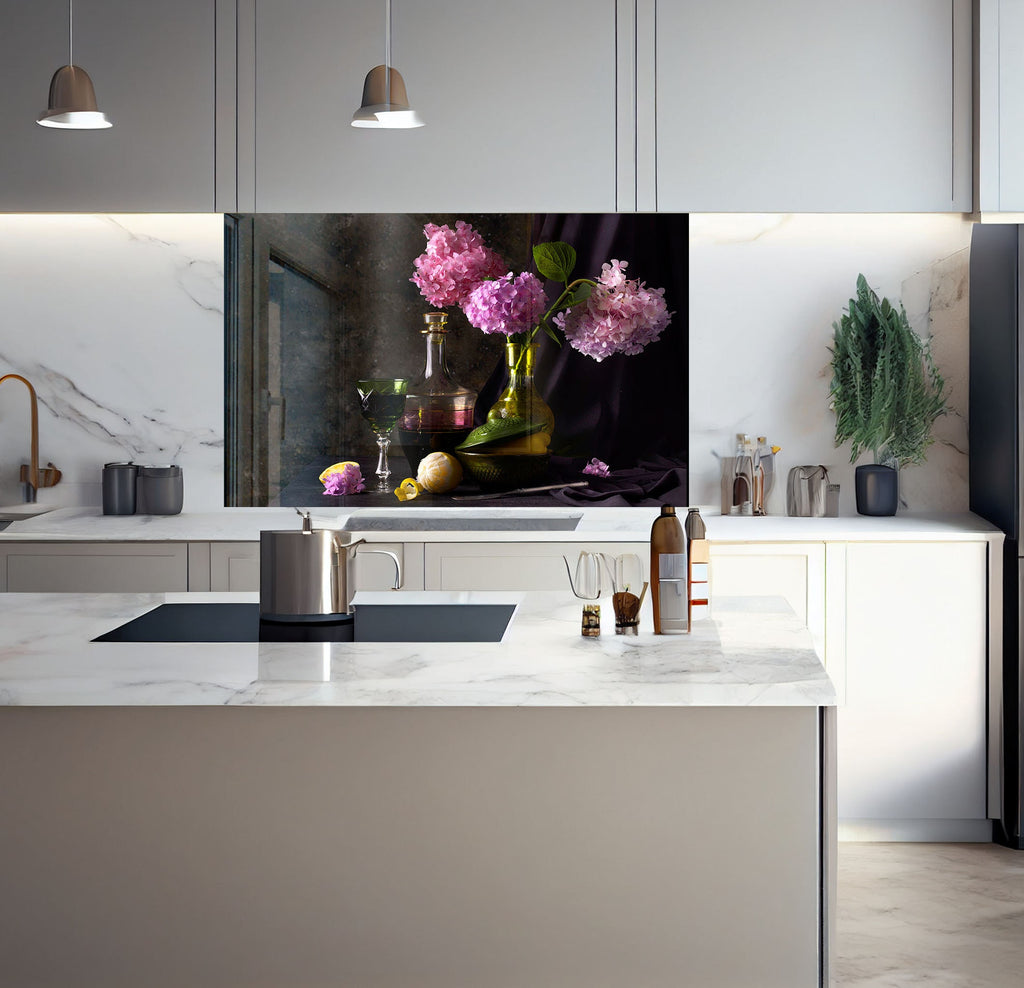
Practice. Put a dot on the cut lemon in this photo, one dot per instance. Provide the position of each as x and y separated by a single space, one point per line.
337 468
408 489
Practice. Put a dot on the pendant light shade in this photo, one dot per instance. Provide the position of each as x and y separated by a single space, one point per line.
72 103
385 106
385 102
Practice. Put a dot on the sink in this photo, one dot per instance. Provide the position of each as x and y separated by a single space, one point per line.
240 622
17 512
473 520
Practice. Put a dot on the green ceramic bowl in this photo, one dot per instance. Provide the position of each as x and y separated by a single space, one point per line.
503 472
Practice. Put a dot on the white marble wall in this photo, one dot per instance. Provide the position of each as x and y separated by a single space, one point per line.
764 292
118 322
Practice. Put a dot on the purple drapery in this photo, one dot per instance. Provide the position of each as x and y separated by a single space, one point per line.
624 409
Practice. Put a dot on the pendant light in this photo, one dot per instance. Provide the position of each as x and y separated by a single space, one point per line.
385 103
72 104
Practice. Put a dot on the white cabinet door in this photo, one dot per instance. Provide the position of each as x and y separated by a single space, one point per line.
96 567
912 734
513 565
153 69
800 105
519 101
235 566
794 571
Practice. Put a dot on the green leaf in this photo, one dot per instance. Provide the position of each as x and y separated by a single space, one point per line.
555 261
579 293
549 329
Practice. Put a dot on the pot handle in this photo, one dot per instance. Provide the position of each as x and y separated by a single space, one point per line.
343 546
387 552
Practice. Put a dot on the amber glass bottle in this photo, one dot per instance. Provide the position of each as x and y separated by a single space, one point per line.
668 573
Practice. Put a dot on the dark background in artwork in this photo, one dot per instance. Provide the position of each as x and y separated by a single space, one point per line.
317 301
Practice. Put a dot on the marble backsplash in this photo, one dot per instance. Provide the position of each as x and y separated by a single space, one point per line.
764 292
117 320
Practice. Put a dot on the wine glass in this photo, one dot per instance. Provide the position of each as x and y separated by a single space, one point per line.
382 401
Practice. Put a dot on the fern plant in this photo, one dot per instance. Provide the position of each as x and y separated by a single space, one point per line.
886 391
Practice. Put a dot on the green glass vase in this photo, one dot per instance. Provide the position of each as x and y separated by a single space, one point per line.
521 399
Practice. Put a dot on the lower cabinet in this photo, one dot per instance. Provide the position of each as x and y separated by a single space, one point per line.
912 748
902 628
235 566
513 565
794 571
94 567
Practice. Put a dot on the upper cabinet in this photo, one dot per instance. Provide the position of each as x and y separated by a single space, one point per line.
531 106
153 69
519 102
804 106
999 55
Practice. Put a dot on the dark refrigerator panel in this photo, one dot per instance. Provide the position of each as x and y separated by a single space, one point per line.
994 422
996 435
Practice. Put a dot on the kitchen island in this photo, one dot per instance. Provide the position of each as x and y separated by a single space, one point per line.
543 810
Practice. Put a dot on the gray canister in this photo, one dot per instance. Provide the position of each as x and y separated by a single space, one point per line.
160 490
119 481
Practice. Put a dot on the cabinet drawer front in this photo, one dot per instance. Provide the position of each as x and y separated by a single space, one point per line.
98 569
514 565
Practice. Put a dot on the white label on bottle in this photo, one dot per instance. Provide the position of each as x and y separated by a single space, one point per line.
672 566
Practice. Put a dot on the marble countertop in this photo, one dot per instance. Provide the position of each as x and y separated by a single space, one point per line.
411 524
752 652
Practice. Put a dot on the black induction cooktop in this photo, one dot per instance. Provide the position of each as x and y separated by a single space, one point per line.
240 622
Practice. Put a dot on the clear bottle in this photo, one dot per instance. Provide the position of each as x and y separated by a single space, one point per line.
438 411
764 474
698 560
668 573
743 477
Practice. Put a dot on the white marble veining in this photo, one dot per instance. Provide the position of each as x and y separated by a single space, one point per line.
118 322
595 525
746 656
764 292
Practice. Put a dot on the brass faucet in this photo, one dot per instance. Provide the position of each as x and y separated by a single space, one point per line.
30 477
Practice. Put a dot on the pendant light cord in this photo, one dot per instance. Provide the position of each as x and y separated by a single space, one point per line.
387 53
71 32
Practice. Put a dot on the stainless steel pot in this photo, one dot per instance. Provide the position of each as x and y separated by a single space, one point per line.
305 573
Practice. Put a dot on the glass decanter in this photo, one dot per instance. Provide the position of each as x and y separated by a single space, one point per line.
438 411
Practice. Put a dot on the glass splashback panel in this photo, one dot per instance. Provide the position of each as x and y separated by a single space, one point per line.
317 302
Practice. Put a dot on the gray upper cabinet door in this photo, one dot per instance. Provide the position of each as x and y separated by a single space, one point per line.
1000 106
153 69
519 101
800 105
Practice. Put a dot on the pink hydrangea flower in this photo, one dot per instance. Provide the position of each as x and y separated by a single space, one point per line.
454 263
621 316
347 480
508 305
597 468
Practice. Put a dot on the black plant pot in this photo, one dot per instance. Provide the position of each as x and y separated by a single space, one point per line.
878 489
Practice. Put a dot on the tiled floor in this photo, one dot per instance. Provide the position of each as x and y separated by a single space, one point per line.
941 915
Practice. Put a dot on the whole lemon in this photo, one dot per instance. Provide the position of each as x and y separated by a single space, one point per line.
439 473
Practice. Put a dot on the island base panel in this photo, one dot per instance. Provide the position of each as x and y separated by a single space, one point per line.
597 847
